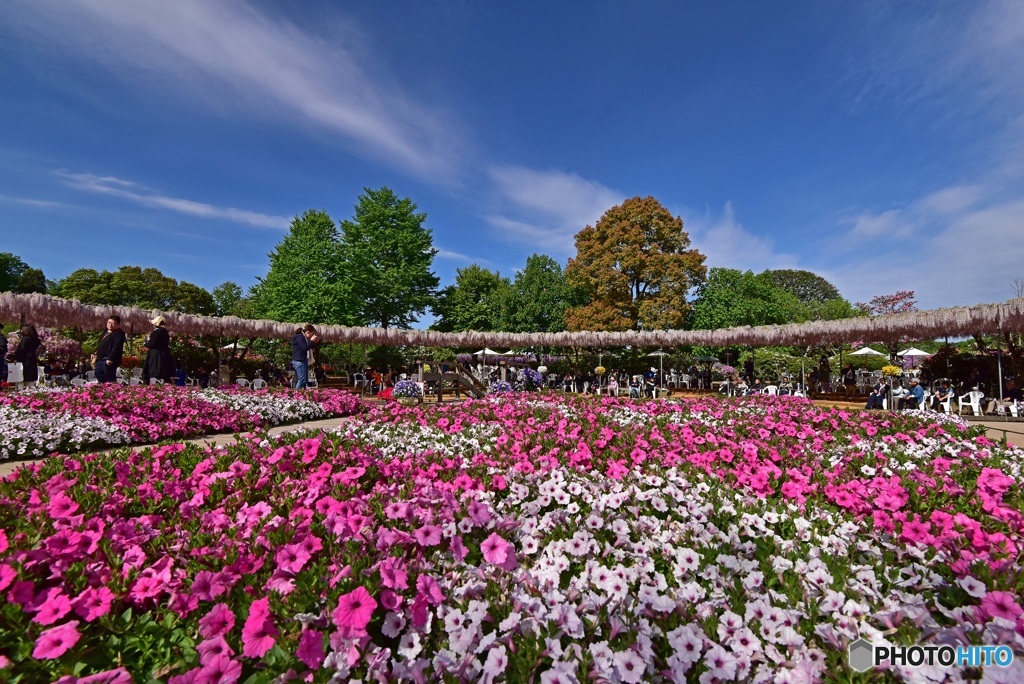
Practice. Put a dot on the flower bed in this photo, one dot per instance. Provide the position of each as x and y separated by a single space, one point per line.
548 538
35 424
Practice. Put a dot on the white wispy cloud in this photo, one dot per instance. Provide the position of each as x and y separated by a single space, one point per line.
231 57
545 209
956 246
727 243
448 254
30 202
123 189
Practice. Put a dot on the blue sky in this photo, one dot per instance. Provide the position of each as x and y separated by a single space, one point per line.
878 144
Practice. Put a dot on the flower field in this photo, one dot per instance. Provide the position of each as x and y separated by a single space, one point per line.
541 538
65 420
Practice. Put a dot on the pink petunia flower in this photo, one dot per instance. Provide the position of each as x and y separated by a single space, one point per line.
208 585
94 603
354 609
428 535
55 642
213 648
220 670
495 549
311 648
258 633
51 605
1001 604
219 621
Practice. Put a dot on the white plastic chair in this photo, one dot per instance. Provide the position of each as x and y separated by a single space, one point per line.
947 405
358 380
155 381
971 399
244 382
771 390
259 383
135 381
91 375
78 382
1014 409
137 373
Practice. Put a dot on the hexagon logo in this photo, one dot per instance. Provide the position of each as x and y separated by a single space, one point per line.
862 655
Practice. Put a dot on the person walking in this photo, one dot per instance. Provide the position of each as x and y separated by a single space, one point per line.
27 352
304 340
110 351
159 365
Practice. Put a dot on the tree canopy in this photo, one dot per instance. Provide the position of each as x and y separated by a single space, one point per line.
307 277
147 288
474 302
16 276
388 254
807 287
635 268
730 298
538 297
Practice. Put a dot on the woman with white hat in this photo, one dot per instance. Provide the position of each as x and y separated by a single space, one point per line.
159 365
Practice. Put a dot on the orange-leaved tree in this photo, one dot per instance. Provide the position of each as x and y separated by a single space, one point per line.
636 267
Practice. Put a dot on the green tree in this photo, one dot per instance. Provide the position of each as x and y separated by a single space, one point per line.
229 300
539 297
193 299
473 302
226 297
306 280
636 269
11 270
807 287
31 280
388 254
730 298
147 288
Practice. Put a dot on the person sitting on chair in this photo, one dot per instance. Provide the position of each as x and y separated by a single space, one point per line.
944 394
914 398
878 394
650 377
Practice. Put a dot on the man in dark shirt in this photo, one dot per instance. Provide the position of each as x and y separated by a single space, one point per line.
110 351
304 340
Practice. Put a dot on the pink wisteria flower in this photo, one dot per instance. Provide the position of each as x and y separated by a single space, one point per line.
55 642
354 609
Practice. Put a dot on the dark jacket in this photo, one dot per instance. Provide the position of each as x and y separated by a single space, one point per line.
27 353
158 360
301 347
111 347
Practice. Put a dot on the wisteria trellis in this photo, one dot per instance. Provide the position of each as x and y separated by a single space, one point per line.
954 321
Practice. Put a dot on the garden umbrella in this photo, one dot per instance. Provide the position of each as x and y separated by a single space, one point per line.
661 365
913 353
866 351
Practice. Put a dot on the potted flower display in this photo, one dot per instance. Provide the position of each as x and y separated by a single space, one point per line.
892 371
407 392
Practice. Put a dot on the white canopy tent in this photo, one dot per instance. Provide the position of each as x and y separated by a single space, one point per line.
866 351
